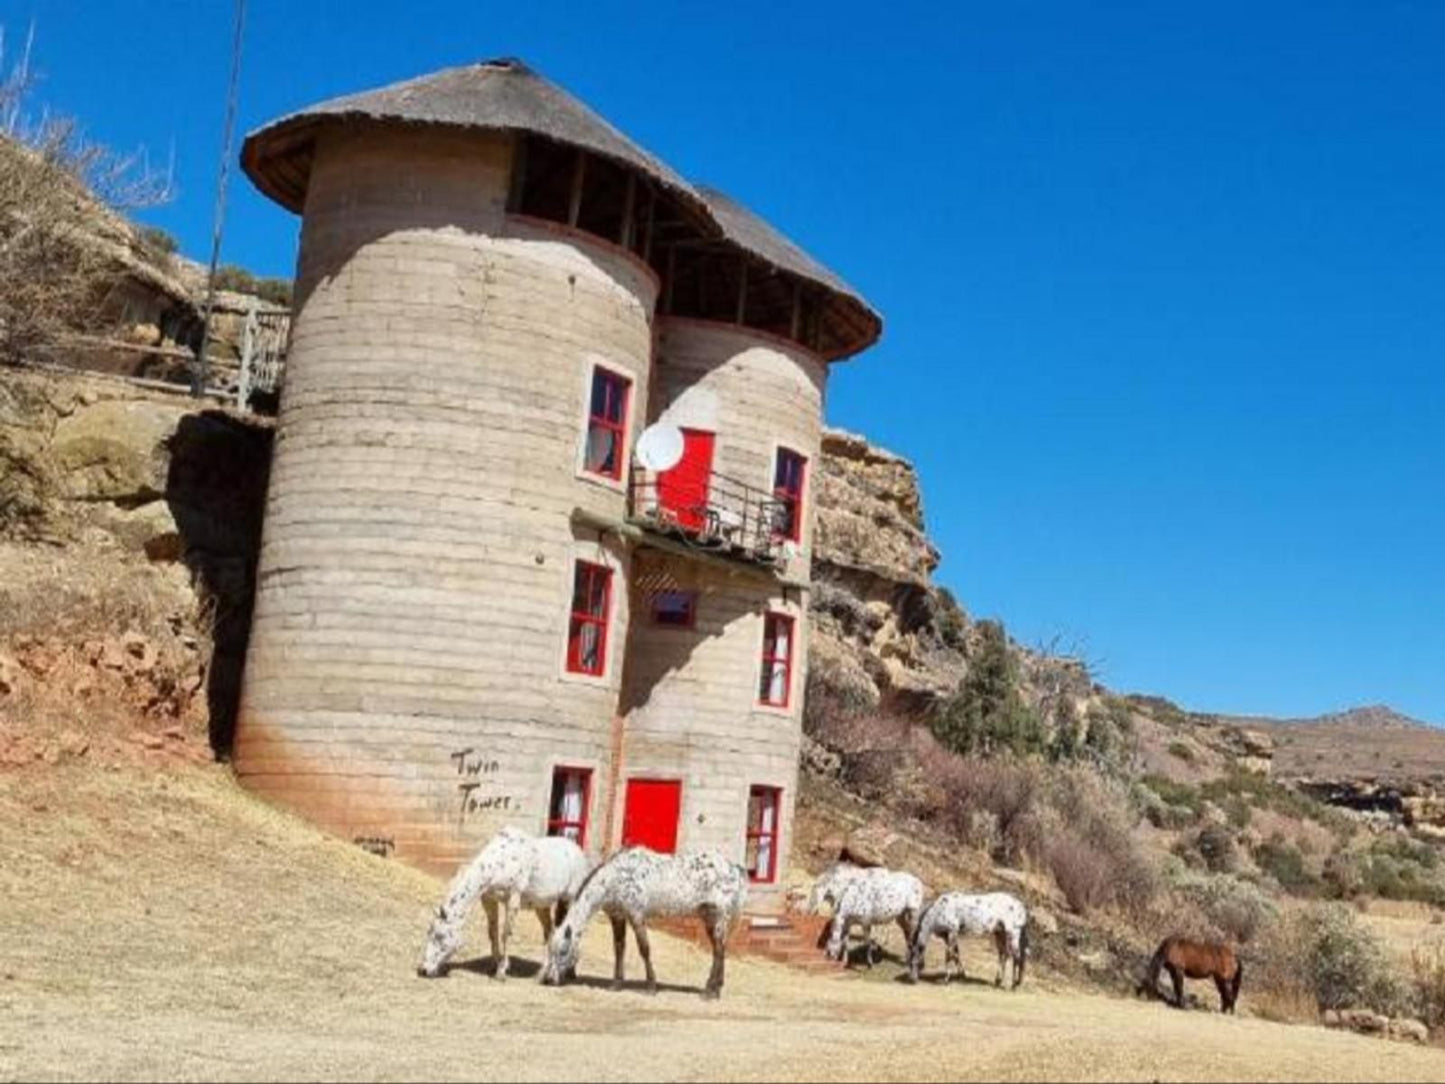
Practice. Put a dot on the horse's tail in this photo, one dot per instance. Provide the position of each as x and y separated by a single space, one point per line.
1236 982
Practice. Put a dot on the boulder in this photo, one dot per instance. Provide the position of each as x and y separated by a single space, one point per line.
149 528
1406 1030
115 450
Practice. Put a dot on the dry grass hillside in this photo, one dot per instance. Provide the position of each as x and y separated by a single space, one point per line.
165 924
1364 743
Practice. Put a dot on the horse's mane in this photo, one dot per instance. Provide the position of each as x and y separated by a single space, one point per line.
595 870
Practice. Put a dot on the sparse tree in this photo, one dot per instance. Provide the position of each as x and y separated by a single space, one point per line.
56 264
987 715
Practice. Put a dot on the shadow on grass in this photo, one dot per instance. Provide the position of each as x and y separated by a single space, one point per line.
519 968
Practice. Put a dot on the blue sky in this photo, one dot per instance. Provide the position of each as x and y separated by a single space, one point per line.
1162 283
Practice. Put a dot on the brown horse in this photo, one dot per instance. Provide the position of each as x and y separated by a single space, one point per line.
1184 958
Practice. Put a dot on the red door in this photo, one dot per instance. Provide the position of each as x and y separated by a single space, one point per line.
650 815
683 489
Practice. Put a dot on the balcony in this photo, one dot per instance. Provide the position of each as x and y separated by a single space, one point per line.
716 515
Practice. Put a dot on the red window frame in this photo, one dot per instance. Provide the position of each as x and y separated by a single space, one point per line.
771 797
611 418
771 659
585 580
689 619
790 473
557 824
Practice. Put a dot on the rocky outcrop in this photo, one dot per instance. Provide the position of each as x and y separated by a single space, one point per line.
1365 1022
870 513
1418 805
97 465
881 630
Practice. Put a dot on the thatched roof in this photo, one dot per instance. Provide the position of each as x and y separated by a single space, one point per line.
506 95
495 95
760 239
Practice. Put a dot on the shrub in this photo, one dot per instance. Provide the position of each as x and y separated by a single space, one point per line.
1343 877
1080 870
1234 907
1092 854
1264 793
157 243
1238 811
1182 750
1181 795
987 714
231 277
1427 967
1326 951
1002 794
1215 844
1284 862
952 621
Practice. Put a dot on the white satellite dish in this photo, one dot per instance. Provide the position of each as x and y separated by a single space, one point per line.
659 447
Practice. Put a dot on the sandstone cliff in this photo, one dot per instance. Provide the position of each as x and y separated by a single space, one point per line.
880 628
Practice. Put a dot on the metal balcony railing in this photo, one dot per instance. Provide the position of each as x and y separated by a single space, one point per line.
720 514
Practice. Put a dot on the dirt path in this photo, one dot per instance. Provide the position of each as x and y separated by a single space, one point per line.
168 926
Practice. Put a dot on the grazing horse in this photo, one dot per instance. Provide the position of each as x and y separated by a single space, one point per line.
636 884
513 870
995 914
1184 958
871 897
828 887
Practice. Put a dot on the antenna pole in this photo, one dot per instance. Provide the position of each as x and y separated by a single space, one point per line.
202 369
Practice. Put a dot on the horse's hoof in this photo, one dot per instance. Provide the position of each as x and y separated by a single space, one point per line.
650 989
615 984
711 995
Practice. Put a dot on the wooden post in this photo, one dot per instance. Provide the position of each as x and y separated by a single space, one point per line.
248 359
627 211
519 173
651 216
742 291
578 172
671 277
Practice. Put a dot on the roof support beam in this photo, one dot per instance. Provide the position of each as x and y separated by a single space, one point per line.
627 207
579 171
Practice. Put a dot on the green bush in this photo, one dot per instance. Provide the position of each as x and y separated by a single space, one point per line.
952 621
1427 966
1182 750
1263 793
1283 861
1233 906
1342 962
1238 811
1182 795
987 715
231 277
1215 844
156 242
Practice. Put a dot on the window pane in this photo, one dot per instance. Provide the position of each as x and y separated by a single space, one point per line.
782 633
602 450
597 592
763 864
609 396
589 647
674 608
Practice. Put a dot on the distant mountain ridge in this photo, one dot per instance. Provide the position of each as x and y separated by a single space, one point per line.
1366 717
